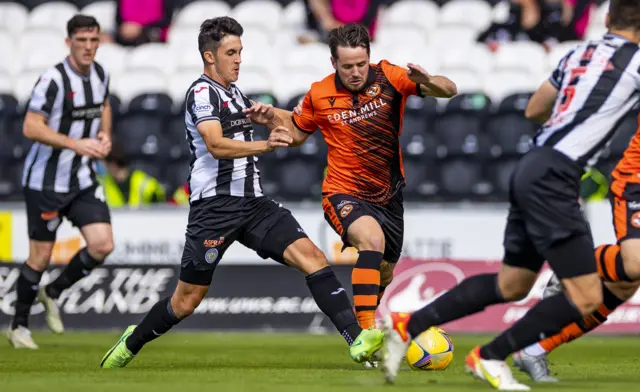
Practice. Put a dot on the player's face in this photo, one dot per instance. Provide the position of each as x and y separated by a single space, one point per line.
352 66
83 46
227 58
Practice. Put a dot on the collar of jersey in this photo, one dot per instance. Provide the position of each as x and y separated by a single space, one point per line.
208 79
370 79
83 77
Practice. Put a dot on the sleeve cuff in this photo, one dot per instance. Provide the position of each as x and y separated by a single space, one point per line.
208 118
45 114
419 90
554 83
293 120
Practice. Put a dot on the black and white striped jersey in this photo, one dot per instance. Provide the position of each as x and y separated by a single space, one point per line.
208 100
598 83
72 104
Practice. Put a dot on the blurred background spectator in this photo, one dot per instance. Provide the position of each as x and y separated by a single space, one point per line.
143 21
124 186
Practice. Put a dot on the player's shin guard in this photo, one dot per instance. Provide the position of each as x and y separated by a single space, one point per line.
80 266
470 296
332 299
365 279
27 290
588 323
160 319
610 264
547 317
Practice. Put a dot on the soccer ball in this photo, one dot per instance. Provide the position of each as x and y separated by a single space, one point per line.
431 350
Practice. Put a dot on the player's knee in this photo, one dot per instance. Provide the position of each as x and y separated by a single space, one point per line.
371 240
386 273
313 260
623 290
101 249
514 291
185 305
585 292
39 255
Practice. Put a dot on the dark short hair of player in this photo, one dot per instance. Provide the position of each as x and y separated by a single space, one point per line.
350 35
118 154
81 22
624 15
212 31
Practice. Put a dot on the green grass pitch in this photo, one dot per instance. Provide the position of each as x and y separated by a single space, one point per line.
182 361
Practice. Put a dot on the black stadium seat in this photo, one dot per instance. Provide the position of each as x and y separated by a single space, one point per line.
510 132
141 126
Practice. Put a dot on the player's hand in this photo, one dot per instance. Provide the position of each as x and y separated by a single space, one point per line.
417 74
260 113
91 148
298 109
279 137
105 141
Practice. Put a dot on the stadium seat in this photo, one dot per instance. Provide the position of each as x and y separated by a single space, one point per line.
455 59
422 179
294 16
112 57
103 11
11 181
31 4
52 14
81 4
267 98
298 178
151 56
254 37
10 134
293 101
290 85
520 56
37 39
13 18
390 36
135 82
510 132
175 175
499 84
194 13
445 37
178 85
183 39
262 14
9 64
474 13
500 12
5 83
401 55
47 56
466 81
255 82
421 14
175 135
462 179
459 128
150 165
314 57
418 144
499 175
24 84
141 126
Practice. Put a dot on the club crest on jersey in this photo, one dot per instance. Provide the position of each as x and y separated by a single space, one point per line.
346 210
373 90
635 220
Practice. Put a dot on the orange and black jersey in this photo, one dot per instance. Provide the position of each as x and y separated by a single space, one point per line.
362 131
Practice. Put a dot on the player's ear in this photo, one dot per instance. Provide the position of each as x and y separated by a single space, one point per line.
334 64
67 41
209 58
607 21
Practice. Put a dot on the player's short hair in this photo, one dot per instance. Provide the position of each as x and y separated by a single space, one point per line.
624 15
118 154
351 35
81 22
212 31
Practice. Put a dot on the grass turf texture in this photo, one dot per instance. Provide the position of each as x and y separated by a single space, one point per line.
182 361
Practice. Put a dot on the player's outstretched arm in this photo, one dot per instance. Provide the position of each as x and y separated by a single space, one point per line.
264 114
540 106
433 86
225 148
35 128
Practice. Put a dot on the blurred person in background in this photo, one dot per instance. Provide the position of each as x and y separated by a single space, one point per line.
544 21
124 186
69 118
143 21
324 15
